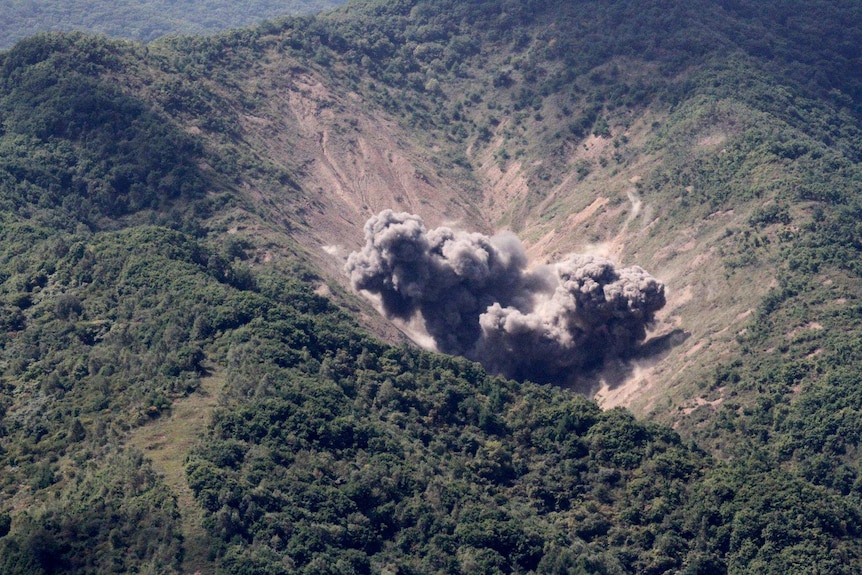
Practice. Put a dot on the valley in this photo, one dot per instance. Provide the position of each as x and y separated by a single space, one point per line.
189 381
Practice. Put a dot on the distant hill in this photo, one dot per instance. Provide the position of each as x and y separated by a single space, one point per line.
188 380
142 21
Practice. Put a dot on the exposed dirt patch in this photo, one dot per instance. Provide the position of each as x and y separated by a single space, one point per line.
539 249
810 326
592 148
712 140
504 186
699 402
579 218
641 380
695 348
350 160
743 315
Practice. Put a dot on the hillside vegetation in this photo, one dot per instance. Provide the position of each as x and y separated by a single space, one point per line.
179 212
142 21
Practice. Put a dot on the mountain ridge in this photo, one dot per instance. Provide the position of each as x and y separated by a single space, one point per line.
726 163
141 21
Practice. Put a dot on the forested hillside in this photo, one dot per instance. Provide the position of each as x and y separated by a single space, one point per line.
189 383
142 21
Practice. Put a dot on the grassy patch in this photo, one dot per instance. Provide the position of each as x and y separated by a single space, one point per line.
167 441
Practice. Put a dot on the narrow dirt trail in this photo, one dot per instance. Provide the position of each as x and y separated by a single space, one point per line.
167 442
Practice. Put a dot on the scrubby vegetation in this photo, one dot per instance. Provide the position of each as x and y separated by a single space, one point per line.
333 452
143 21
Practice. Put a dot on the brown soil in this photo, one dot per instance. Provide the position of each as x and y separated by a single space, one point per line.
351 162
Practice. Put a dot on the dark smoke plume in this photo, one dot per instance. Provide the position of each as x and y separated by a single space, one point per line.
478 299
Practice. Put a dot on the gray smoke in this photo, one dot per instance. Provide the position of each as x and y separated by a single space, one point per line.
478 299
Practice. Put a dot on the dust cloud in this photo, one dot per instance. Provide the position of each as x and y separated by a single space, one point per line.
478 298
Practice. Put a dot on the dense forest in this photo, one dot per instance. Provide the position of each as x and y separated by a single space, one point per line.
142 21
159 290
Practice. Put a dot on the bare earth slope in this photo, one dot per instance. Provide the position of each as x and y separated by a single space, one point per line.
612 152
196 199
355 160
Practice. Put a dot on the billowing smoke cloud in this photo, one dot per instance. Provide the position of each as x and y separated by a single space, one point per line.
478 299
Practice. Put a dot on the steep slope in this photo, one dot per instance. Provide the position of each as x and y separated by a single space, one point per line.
351 160
164 207
580 143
